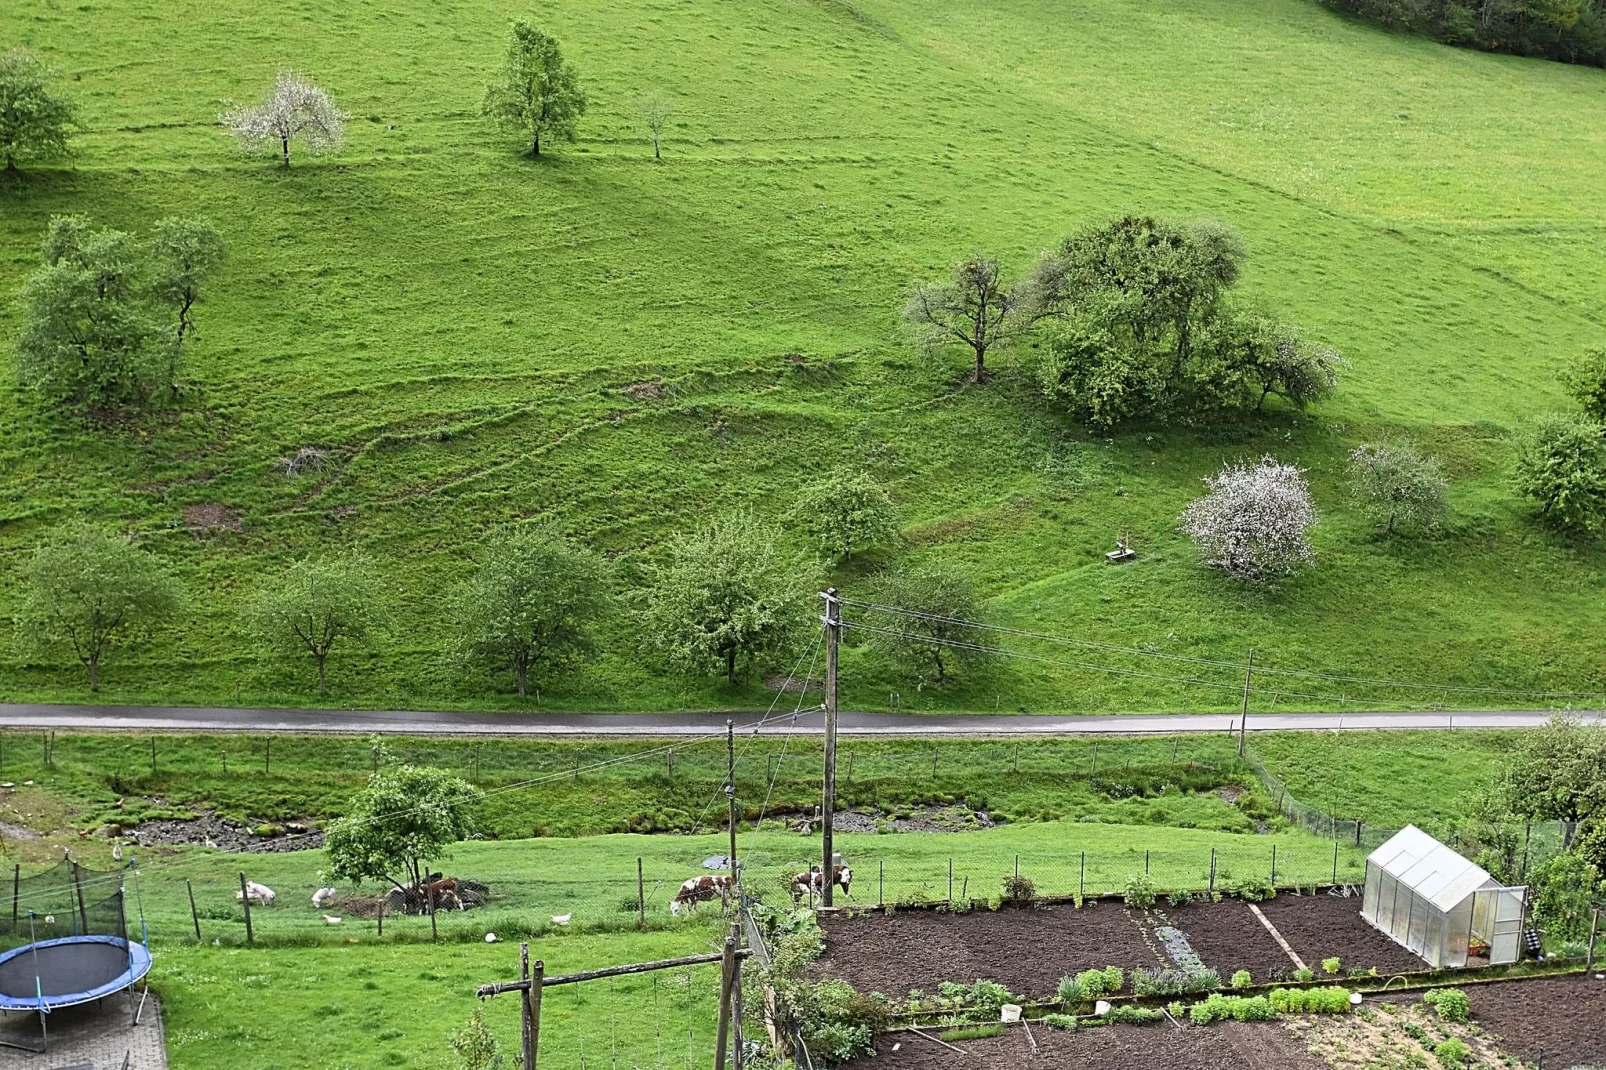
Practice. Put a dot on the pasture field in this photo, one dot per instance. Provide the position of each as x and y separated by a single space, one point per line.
625 348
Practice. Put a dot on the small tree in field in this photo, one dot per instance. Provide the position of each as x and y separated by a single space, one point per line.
35 119
531 606
295 110
654 110
1561 465
186 252
935 600
475 1045
90 592
538 93
976 309
404 818
1398 486
845 511
1585 380
1255 522
728 598
315 604
1296 370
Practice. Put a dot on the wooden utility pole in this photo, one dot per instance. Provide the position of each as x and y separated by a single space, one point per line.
1243 719
833 632
730 786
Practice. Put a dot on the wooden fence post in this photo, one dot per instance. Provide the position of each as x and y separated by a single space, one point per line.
950 878
245 901
433 934
530 1006
16 892
641 896
153 755
1274 863
194 914
1594 929
382 901
1081 883
267 757
1335 861
727 970
83 912
1212 872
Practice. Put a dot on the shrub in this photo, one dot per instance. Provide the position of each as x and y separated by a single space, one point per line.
1332 965
1452 1054
1253 889
1585 380
1237 1008
1019 889
1130 1015
1242 979
1139 891
1159 982
1179 897
1255 522
1091 984
838 1023
1398 486
1304 973
1332 1000
1060 1021
1450 1003
1561 465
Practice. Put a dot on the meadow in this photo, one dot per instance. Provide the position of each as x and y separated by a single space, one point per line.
624 348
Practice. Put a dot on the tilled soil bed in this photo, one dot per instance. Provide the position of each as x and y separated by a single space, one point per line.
1226 1046
1228 937
1324 926
1562 1019
1027 949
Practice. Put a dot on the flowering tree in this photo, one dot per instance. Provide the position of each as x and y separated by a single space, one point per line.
1255 522
1398 485
296 110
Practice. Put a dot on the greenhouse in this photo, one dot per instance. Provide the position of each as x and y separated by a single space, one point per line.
1439 905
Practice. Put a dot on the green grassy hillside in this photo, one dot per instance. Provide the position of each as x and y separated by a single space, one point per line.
462 328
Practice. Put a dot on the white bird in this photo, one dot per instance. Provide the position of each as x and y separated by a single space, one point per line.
50 919
561 919
117 852
490 938
327 920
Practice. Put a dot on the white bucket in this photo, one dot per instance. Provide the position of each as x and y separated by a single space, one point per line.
1010 1012
1101 1008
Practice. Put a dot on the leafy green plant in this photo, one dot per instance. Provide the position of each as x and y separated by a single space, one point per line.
1304 973
1242 979
1139 891
1452 1054
1091 984
1451 1004
1019 888
972 1032
475 1045
1060 1021
1218 1007
1174 1008
1164 982
1132 1015
1332 1000
1332 965
1179 897
1252 889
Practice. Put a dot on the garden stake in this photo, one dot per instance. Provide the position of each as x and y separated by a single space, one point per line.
850 767
1274 863
194 917
1145 861
964 889
1017 867
950 878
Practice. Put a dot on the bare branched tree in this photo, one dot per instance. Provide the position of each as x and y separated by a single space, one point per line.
976 308
654 111
296 110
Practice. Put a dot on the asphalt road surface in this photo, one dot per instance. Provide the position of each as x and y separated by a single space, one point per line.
413 722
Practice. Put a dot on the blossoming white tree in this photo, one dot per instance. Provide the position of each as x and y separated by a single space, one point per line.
296 110
1255 522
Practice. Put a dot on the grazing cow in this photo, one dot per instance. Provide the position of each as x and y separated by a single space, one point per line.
813 881
700 889
443 893
260 892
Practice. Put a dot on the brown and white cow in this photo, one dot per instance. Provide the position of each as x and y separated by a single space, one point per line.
813 881
441 893
696 890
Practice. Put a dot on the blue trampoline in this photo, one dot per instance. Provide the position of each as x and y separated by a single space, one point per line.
67 944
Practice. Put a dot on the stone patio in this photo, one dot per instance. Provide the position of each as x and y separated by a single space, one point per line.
98 1036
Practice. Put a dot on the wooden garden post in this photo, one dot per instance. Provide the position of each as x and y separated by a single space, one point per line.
727 970
194 915
245 900
530 1006
1594 930
83 912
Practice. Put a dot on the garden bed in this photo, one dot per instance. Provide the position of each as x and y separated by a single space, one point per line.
1228 1046
1328 926
1228 937
1561 1018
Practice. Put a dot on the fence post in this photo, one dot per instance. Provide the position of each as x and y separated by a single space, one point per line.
1145 861
83 911
267 757
194 915
1358 825
1081 882
671 763
16 892
1212 872
1094 771
641 896
1274 863
1017 866
934 763
153 755
245 900
382 901
726 986
950 878
850 767
1594 929
1335 861
881 885
433 934
1016 768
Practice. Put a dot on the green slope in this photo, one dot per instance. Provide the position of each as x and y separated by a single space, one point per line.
462 328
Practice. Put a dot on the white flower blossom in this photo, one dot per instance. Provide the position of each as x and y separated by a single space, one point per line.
1255 522
296 110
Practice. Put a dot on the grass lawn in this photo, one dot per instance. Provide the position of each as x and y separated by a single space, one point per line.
467 332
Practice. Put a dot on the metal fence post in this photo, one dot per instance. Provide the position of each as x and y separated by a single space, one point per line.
1212 871
1081 883
1145 861
1335 861
881 884
1017 867
641 896
1274 863
950 878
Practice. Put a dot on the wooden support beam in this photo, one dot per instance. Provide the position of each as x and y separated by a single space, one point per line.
1275 935
500 987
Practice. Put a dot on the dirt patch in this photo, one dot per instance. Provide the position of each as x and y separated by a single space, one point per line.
207 517
1561 1018
648 390
1026 949
913 819
1227 1046
1228 937
210 830
1325 926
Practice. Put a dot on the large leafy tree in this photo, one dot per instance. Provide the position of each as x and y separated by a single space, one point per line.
91 332
35 118
537 94
531 605
924 630
315 604
404 818
1398 485
186 252
1557 772
1561 465
975 308
727 598
89 592
847 510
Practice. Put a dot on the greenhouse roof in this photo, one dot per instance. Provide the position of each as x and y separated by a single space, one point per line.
1429 868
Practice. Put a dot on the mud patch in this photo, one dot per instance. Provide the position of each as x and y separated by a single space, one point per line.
210 830
648 390
913 819
208 517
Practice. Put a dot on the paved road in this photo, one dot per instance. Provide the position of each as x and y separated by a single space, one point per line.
409 722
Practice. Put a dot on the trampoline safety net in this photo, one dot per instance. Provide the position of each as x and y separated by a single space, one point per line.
65 900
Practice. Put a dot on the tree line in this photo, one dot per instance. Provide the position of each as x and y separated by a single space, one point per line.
1571 31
